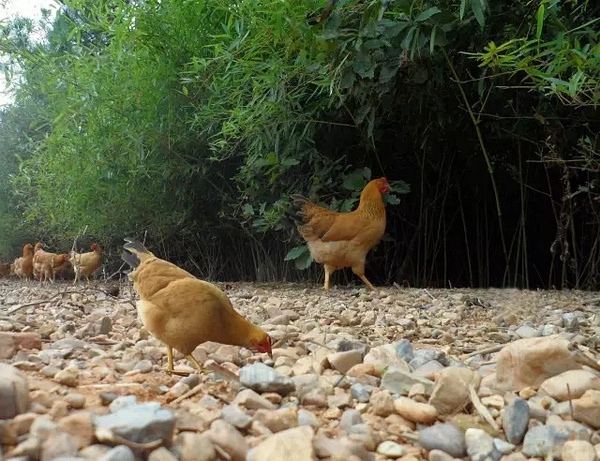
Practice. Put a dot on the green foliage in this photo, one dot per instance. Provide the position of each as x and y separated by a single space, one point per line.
194 121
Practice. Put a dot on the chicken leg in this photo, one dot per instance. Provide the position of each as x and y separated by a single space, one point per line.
360 271
328 271
190 357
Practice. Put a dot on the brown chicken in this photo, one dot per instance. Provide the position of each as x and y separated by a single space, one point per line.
339 240
23 266
44 263
86 263
182 311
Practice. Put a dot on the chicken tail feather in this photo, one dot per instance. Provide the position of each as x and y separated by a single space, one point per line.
138 249
130 259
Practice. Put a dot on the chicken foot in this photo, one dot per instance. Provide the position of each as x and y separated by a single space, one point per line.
331 269
171 369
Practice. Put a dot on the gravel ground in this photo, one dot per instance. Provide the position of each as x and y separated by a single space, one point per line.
407 374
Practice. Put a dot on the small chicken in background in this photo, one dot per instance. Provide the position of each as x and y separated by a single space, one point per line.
44 263
86 263
64 271
339 240
4 269
182 311
23 266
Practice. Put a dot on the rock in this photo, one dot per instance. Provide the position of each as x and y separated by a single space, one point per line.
390 449
290 445
14 392
145 366
119 453
542 441
529 362
360 392
251 400
235 416
68 377
11 342
316 396
570 384
307 418
578 450
415 411
451 390
446 437
339 400
362 369
278 420
439 455
385 356
122 402
586 409
262 378
382 403
404 350
526 331
195 447
80 427
229 439
515 420
58 445
399 381
75 401
104 326
343 361
140 423
480 445
350 418
162 454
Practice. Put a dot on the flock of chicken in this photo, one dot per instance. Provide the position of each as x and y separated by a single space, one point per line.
44 266
183 311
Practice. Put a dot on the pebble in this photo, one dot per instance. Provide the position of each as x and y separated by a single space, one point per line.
390 449
542 441
446 437
14 392
515 420
262 378
119 453
290 445
480 445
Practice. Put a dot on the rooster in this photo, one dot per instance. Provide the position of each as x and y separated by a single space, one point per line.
86 263
339 240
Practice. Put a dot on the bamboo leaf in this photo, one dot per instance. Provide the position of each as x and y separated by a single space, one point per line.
429 12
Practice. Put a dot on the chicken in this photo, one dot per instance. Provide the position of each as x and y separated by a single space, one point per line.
86 263
339 240
23 266
44 263
182 311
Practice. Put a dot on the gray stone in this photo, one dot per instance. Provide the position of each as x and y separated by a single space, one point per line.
105 326
121 402
145 366
262 378
307 418
350 418
404 350
119 453
446 437
235 416
515 420
143 423
480 446
422 356
541 441
361 392
398 381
